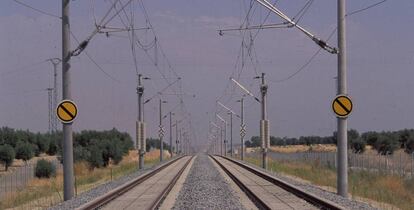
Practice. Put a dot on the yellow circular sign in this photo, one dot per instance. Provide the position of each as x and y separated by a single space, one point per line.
66 111
342 106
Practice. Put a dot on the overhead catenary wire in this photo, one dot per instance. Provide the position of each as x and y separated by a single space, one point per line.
251 51
302 11
23 68
37 10
309 61
155 45
101 24
94 62
306 64
365 8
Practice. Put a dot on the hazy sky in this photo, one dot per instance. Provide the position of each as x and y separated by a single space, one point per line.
380 60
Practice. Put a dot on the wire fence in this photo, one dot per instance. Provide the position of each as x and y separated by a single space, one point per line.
20 189
401 164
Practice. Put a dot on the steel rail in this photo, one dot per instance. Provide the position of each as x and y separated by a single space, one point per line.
309 197
253 197
119 191
165 192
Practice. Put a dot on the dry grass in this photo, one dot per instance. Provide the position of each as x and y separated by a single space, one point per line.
20 163
304 148
41 193
380 190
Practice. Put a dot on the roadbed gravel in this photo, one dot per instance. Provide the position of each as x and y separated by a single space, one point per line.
101 189
205 188
344 202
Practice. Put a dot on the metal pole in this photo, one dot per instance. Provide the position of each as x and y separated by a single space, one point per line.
242 128
225 138
55 96
160 133
171 144
176 136
221 141
66 94
140 92
51 110
342 172
231 134
55 62
180 142
264 124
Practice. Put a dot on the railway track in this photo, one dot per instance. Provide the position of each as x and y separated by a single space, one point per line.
269 192
145 192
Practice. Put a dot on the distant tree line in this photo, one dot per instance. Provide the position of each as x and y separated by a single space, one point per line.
98 148
385 142
153 143
23 144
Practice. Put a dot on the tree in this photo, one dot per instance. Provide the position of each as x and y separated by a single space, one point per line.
409 147
24 152
255 141
386 144
8 136
7 155
42 142
81 153
53 148
44 169
409 144
353 135
95 159
248 144
111 151
35 149
370 137
358 145
404 136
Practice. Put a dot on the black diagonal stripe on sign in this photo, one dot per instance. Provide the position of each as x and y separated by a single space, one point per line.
67 111
343 106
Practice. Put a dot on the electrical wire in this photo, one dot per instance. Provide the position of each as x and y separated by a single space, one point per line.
302 12
20 69
94 62
365 8
155 61
309 61
37 10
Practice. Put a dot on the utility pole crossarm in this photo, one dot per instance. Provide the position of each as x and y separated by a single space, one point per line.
218 116
245 89
214 124
255 27
228 109
318 41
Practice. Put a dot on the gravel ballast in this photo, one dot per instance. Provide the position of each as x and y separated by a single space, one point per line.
100 190
205 188
345 202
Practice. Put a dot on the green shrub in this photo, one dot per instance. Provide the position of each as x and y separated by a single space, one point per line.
24 151
95 159
42 143
7 155
80 153
53 148
44 169
358 145
36 150
386 144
